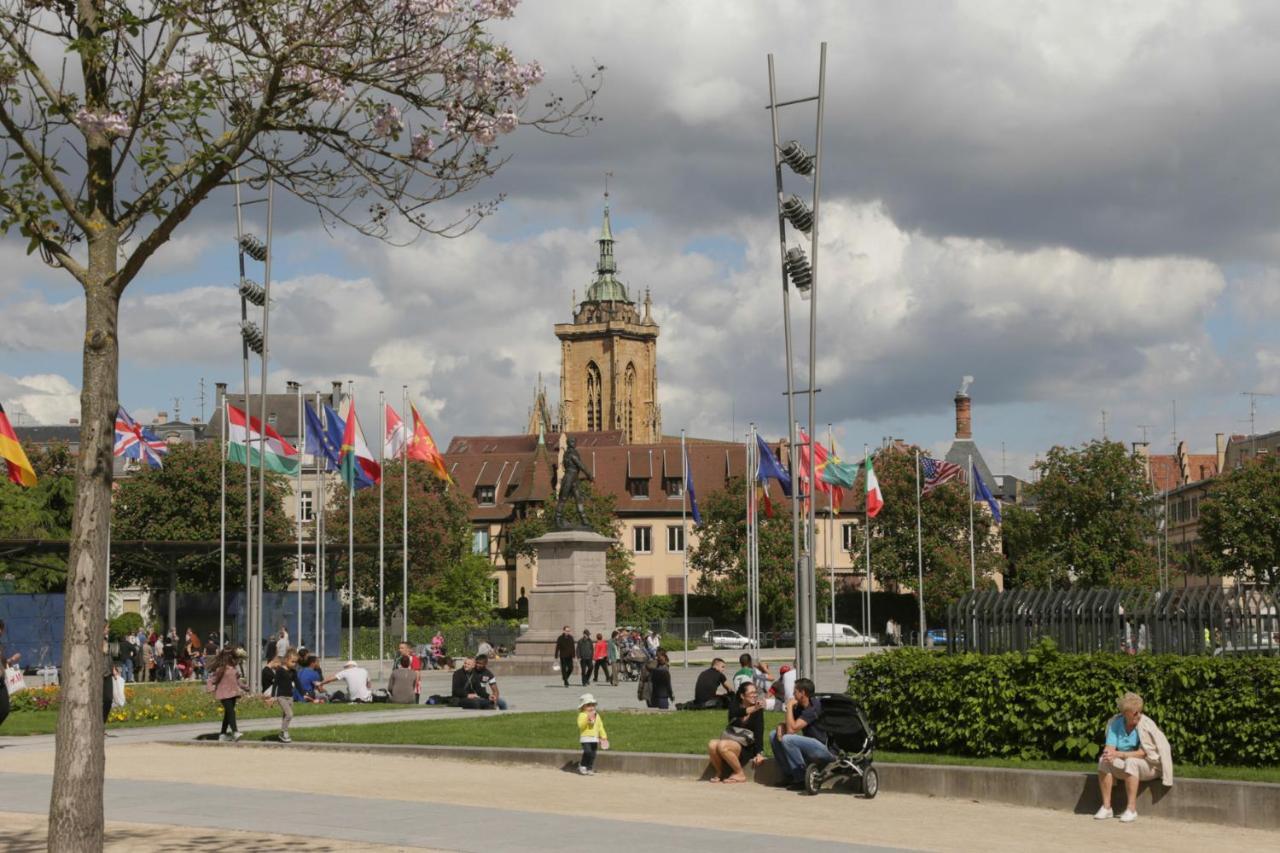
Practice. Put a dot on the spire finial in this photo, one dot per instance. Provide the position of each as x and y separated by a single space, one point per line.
607 176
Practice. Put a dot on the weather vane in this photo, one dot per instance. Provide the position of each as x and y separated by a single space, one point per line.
607 176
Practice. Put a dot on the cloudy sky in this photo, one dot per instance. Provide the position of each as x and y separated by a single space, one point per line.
1078 204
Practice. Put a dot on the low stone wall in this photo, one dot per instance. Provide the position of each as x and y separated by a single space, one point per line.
1254 805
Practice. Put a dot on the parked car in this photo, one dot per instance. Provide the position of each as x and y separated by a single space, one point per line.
726 638
937 636
837 634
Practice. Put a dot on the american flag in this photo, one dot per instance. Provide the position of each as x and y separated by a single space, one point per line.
134 441
937 472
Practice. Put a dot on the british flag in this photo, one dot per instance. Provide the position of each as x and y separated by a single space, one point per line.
937 472
134 441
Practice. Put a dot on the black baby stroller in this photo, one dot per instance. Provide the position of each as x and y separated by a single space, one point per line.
853 741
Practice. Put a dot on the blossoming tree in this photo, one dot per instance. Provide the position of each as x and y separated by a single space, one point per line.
119 117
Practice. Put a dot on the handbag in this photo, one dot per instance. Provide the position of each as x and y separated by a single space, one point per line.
13 680
739 735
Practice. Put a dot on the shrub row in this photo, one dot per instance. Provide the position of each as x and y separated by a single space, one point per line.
1044 704
455 639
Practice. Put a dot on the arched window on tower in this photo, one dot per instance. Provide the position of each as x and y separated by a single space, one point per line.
594 409
629 403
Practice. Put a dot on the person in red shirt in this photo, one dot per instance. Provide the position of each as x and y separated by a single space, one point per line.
600 659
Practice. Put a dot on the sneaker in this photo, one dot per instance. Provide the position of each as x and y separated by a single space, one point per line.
236 736
1129 816
224 738
284 738
1104 813
591 771
583 771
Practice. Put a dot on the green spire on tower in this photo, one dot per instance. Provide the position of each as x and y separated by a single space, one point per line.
606 287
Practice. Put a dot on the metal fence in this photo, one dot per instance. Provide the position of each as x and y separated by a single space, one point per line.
1201 621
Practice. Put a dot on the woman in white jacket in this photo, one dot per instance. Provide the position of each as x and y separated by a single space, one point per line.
1136 751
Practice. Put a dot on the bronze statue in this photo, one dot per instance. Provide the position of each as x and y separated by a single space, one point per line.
569 488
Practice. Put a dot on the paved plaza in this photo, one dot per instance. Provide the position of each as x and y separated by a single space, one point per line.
162 796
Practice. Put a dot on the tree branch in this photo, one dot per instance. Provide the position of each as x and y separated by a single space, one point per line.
46 169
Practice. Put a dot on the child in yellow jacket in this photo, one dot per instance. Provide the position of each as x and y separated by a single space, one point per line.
591 733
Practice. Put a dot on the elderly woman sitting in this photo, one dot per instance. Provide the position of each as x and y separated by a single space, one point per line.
1136 751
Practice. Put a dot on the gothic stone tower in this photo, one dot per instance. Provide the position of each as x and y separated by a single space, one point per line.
609 358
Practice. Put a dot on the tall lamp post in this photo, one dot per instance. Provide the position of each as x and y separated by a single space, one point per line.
800 272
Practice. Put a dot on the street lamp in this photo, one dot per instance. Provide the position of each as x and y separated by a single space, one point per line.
800 273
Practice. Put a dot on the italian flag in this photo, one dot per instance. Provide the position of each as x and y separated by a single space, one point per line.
875 500
244 440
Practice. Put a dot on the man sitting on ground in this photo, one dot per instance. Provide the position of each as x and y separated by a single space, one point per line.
746 672
403 686
356 680
310 687
712 688
488 684
799 741
467 687
1136 751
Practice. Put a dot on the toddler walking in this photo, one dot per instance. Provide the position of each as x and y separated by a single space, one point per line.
591 733
282 686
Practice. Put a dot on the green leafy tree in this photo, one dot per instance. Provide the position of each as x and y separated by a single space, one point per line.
1091 521
439 533
1240 524
120 117
43 511
180 502
720 556
602 517
458 594
944 527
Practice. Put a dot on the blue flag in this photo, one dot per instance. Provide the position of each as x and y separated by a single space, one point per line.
320 442
693 496
980 491
770 469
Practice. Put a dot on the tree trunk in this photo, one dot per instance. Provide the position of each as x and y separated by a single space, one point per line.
75 808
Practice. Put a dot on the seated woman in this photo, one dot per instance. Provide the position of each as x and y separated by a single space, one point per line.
1136 751
743 739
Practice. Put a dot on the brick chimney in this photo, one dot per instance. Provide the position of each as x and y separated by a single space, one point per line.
964 416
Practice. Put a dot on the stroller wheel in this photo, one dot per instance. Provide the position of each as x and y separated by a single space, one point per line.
812 779
870 783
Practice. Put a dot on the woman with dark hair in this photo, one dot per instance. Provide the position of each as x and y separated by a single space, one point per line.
224 683
660 679
743 739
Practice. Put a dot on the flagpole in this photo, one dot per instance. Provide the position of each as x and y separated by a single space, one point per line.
382 519
247 605
831 563
919 552
866 460
751 522
973 565
351 542
684 535
255 654
404 517
318 640
302 441
222 524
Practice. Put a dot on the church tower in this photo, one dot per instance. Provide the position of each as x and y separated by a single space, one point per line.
609 358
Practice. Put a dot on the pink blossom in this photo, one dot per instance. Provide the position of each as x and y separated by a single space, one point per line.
106 123
387 121
167 81
322 86
495 8
484 131
507 122
423 145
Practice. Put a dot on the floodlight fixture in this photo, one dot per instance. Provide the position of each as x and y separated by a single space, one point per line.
253 292
795 211
795 156
253 247
799 271
252 336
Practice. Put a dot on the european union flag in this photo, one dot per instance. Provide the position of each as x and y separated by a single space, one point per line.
693 497
769 467
320 442
980 491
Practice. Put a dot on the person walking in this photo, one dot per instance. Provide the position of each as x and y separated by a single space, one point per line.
284 681
586 655
565 653
600 659
591 733
614 656
224 684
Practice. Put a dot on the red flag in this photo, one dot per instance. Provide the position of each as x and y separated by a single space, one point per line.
423 447
18 466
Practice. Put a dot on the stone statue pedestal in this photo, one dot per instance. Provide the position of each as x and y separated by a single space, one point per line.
572 590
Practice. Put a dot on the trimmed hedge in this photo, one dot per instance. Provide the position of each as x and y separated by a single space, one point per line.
1043 704
366 644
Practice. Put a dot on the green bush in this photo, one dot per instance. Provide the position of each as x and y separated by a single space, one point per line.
125 624
455 635
1043 704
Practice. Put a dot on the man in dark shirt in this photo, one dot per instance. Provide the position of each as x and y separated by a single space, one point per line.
468 687
800 741
488 683
586 655
706 691
565 651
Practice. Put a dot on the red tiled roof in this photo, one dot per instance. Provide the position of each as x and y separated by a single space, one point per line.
1166 472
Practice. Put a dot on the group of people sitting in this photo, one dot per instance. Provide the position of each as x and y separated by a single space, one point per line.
714 689
473 685
301 671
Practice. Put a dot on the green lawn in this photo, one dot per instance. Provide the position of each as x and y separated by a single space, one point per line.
683 732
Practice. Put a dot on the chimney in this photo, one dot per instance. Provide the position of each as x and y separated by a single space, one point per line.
74 422
964 416
1220 444
161 418
336 397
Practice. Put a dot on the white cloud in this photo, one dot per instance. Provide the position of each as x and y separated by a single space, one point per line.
43 398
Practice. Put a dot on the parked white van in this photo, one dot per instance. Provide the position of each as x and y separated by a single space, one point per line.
838 634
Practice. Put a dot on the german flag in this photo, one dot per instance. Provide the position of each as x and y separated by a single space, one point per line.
15 458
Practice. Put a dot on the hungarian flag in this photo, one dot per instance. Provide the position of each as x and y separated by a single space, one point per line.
356 458
245 437
423 447
875 500
16 463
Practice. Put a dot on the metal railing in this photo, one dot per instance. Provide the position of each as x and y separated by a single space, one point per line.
1201 621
